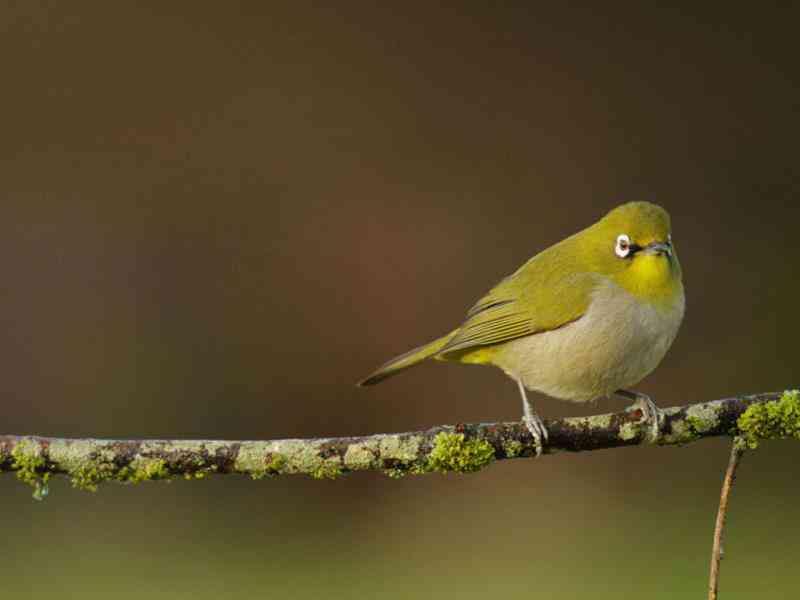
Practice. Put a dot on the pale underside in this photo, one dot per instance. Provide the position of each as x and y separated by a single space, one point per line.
614 345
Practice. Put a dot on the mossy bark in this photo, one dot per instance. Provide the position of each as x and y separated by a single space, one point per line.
459 448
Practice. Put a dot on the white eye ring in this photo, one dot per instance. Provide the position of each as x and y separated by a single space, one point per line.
623 247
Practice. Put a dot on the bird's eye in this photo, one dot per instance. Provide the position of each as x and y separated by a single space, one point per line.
623 247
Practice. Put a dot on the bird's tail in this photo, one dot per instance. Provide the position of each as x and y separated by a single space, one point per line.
404 361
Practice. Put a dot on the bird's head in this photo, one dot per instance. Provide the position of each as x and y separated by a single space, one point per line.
632 245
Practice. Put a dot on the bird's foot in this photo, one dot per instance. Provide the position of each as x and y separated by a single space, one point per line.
651 414
532 421
535 425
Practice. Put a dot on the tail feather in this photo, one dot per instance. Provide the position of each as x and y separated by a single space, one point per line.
404 361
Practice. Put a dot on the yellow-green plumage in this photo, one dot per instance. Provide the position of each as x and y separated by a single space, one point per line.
576 321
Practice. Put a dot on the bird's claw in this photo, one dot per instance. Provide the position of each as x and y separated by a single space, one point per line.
536 427
651 414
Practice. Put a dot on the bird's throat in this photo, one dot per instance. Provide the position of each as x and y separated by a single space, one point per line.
654 278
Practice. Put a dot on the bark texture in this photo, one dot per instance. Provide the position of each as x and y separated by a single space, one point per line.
459 448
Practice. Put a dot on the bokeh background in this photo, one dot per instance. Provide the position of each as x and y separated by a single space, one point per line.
215 217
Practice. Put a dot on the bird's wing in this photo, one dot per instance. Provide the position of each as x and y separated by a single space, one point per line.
537 298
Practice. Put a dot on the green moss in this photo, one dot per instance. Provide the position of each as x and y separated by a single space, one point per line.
275 463
593 422
295 456
359 457
681 432
41 489
771 420
452 453
147 469
513 448
327 469
402 468
396 473
628 431
199 474
89 475
703 418
695 423
27 460
404 448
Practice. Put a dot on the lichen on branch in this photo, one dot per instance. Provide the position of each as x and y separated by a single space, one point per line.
465 448
776 419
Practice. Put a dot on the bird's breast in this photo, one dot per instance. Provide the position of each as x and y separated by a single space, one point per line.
614 345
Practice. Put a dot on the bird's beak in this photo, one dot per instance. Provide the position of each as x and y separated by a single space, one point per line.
658 248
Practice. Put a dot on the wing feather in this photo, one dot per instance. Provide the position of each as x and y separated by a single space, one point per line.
537 298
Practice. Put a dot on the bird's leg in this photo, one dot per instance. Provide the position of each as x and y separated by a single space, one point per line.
532 421
653 415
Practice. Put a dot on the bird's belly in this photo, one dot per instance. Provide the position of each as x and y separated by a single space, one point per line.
613 346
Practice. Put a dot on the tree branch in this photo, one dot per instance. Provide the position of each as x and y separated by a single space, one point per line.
461 448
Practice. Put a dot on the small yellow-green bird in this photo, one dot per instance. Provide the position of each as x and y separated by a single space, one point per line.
588 317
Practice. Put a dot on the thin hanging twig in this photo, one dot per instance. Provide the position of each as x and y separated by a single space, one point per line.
737 449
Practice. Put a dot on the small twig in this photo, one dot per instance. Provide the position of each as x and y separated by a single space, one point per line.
737 449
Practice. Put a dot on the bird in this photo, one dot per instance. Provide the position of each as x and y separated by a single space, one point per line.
586 318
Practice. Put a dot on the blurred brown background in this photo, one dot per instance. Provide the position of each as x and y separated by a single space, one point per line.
217 216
